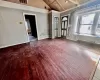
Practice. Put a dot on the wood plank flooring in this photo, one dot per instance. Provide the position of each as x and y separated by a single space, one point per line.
46 60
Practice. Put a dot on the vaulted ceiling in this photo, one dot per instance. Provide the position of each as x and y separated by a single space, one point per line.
58 5
38 4
61 5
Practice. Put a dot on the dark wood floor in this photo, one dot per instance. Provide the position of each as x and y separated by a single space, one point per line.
46 60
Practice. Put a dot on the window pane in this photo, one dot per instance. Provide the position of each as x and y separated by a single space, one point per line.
64 19
85 29
98 27
88 19
98 30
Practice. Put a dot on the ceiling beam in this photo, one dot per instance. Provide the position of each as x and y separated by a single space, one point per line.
74 2
78 6
51 2
59 4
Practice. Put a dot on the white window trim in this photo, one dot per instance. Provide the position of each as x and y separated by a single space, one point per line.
94 26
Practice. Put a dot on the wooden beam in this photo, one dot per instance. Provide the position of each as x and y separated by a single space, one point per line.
74 2
51 2
59 4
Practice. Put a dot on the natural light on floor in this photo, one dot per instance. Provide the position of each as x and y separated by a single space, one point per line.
93 56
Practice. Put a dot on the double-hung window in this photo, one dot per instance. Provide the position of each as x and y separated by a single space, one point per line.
86 22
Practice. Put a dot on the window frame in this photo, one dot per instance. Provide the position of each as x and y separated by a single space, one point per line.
97 25
94 25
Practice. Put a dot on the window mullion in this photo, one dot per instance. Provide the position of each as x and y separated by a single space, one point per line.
95 23
79 22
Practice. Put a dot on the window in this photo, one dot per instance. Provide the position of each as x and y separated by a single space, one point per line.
98 27
86 23
89 24
64 26
64 19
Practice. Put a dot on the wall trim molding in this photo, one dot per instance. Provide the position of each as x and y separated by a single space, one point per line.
21 7
53 11
1 47
35 22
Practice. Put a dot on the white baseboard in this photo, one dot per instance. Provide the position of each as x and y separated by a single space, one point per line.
12 45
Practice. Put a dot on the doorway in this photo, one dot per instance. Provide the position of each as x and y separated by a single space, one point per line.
30 22
64 26
56 21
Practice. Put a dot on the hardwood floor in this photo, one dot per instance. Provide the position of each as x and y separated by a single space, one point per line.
90 46
46 60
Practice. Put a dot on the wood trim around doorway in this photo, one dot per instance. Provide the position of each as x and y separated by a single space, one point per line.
35 21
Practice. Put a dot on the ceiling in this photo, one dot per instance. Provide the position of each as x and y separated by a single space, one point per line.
61 5
38 4
58 5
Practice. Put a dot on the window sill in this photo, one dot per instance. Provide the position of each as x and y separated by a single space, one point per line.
97 36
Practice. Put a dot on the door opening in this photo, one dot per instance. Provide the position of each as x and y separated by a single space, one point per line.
31 27
64 26
56 26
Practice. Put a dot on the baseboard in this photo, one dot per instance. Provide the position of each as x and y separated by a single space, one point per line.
13 45
43 37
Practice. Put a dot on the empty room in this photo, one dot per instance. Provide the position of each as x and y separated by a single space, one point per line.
49 39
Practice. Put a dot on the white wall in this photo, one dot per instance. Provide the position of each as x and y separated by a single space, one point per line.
13 33
42 26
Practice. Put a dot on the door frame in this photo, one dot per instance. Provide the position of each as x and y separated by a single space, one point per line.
35 22
56 28
68 23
